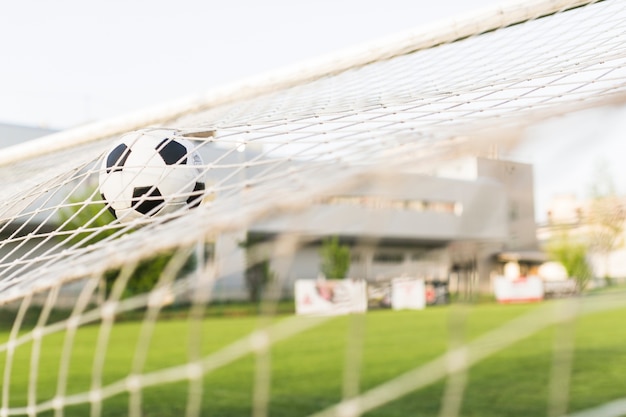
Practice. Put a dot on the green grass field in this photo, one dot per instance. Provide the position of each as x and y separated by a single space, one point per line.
307 370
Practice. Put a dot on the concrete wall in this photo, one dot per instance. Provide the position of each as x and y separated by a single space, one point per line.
518 183
481 212
367 263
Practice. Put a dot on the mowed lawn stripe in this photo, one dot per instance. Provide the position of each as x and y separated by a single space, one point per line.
307 369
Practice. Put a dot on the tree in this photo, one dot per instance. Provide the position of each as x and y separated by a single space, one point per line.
335 258
83 212
605 216
572 254
87 213
258 272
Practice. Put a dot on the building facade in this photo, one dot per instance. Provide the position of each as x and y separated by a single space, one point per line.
458 225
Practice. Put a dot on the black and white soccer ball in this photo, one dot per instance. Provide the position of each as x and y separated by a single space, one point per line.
149 173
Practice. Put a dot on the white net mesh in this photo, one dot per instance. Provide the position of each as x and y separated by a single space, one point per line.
282 162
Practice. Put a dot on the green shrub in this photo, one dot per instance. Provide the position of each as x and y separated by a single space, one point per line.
335 258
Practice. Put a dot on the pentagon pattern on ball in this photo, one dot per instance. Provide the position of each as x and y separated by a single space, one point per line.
117 157
172 152
195 198
109 207
151 172
147 200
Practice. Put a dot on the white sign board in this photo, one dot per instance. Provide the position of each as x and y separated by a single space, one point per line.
408 293
563 288
522 290
330 297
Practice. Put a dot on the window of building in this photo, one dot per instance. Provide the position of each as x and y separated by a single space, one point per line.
388 257
383 203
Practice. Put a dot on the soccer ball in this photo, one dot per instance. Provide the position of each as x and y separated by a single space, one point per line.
151 172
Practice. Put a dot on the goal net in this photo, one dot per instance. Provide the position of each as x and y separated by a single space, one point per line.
124 240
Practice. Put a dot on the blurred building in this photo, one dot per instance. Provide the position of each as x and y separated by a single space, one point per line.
587 221
458 224
11 134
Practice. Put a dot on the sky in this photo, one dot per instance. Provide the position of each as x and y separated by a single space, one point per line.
69 62
574 153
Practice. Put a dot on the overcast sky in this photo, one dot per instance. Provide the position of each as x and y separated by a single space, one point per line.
69 62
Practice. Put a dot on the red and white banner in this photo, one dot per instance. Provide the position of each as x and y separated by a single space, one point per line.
330 297
521 290
408 294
